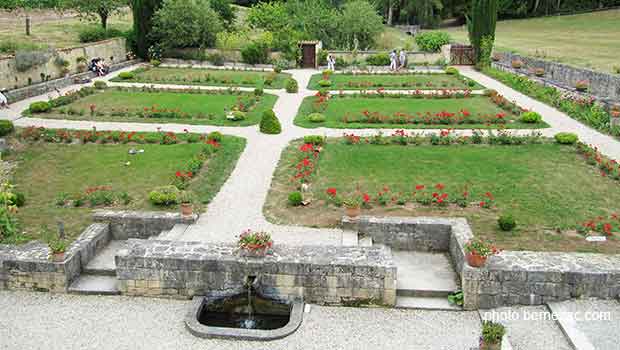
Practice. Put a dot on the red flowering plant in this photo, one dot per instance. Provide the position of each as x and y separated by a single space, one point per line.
255 242
481 248
440 198
181 179
488 201
607 226
352 139
384 196
305 165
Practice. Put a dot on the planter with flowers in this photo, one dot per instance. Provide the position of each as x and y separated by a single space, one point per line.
185 198
254 244
615 115
478 251
58 249
582 85
492 334
352 205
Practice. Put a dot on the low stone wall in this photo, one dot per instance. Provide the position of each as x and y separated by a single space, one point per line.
112 50
42 88
28 267
602 85
324 275
140 224
178 62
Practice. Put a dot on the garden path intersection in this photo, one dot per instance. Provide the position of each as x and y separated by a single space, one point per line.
239 206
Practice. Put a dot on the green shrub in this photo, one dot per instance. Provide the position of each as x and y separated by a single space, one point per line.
126 75
280 65
19 200
452 71
291 86
97 33
566 138
215 136
432 41
100 85
295 198
316 118
492 332
164 195
155 63
269 123
531 117
380 59
255 53
316 140
325 83
40 107
6 127
506 222
217 59
258 92
236 116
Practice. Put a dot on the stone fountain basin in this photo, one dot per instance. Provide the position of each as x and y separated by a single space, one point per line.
200 304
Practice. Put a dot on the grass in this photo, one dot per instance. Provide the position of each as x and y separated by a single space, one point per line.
545 187
44 170
587 40
203 108
394 82
48 29
392 38
210 77
338 107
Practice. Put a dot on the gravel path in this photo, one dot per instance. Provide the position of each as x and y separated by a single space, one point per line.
32 321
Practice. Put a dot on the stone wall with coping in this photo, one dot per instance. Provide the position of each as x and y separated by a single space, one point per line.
140 224
112 50
604 86
324 275
28 266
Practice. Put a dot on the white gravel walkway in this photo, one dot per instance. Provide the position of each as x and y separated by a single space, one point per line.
239 203
31 321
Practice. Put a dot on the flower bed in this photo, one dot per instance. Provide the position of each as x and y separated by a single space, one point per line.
392 81
226 107
412 110
482 177
209 77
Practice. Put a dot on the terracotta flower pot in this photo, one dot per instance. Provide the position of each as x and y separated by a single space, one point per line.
254 253
186 209
353 212
475 260
615 114
58 257
489 346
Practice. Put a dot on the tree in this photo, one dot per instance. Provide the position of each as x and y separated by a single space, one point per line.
91 9
359 24
481 28
143 11
225 11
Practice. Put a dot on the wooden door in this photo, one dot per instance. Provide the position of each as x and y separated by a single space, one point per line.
309 56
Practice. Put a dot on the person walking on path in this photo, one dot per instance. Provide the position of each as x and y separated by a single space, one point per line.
402 59
331 63
393 59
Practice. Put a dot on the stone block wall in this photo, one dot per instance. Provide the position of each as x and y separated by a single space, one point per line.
140 224
28 266
324 275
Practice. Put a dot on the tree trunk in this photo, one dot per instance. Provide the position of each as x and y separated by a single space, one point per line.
27 25
390 13
103 15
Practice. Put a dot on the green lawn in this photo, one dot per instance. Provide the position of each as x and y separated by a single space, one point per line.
415 81
587 40
353 108
194 108
211 77
45 170
545 187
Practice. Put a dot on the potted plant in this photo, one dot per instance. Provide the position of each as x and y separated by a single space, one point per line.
615 111
185 198
539 72
352 206
492 334
254 244
517 64
478 252
582 85
58 248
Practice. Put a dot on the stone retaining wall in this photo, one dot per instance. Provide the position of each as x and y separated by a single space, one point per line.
140 224
602 85
323 275
28 266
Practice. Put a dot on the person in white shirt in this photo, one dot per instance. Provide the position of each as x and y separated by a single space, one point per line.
331 63
4 102
402 58
393 58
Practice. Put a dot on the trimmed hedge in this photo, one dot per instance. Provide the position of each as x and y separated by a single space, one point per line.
269 123
40 107
291 86
6 127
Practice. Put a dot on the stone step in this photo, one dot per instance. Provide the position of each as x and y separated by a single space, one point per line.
103 263
425 303
365 241
349 238
175 233
99 271
159 236
95 285
423 274
424 293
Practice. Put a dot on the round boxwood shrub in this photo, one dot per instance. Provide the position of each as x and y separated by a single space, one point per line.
40 107
6 127
325 83
164 195
452 71
316 118
432 41
237 116
258 92
506 222
566 138
126 75
295 198
317 140
380 59
20 199
100 85
291 86
215 136
531 117
269 123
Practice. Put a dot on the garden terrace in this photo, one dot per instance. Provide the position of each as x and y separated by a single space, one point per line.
416 110
160 106
392 81
555 196
208 77
64 174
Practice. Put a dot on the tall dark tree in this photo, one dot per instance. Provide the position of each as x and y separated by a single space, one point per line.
143 11
481 25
